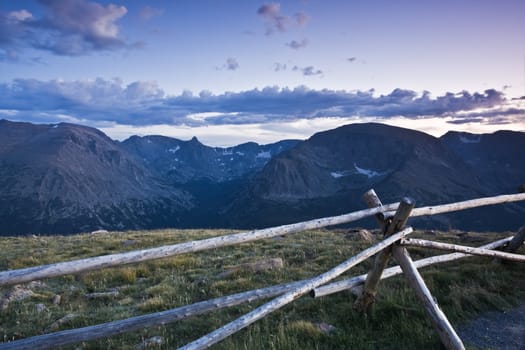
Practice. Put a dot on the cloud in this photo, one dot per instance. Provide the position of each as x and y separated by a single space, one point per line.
308 71
142 103
20 16
275 21
147 13
277 67
68 27
231 64
296 45
351 59
465 121
301 18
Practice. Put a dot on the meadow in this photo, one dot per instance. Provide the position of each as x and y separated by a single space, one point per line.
464 289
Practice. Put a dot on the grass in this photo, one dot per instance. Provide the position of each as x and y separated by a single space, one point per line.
464 289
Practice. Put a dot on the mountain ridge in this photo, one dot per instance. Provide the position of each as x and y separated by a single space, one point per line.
64 178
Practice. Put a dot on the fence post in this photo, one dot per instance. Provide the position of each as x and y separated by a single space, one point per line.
446 332
367 297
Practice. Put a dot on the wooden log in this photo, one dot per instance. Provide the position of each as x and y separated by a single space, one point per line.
244 321
372 201
472 203
462 249
104 330
446 332
353 282
517 241
367 297
89 264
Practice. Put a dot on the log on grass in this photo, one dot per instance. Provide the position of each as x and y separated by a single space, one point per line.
244 321
353 282
108 329
462 249
89 264
446 332
517 242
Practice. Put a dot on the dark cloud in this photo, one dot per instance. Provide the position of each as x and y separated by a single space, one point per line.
351 59
296 45
465 121
145 103
308 71
68 27
275 21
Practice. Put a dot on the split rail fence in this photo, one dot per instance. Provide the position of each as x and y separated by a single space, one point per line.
391 218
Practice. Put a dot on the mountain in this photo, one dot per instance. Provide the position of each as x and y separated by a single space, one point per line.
182 162
498 158
213 176
70 178
328 173
66 178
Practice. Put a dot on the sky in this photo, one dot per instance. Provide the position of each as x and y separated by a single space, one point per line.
235 71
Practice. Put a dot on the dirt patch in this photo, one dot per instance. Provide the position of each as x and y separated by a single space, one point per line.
496 330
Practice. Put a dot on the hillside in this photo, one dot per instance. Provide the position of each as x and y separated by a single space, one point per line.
70 178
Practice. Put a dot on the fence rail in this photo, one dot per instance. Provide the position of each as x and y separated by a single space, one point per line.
392 225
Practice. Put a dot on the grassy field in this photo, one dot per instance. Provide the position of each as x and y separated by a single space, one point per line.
463 288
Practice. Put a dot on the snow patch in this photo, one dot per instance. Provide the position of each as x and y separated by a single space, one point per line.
337 174
174 150
239 153
465 139
367 172
265 155
55 126
227 152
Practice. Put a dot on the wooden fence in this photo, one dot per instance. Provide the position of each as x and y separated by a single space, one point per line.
391 219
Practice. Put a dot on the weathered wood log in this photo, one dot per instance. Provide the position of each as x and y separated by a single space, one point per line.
368 294
83 265
62 338
372 201
469 204
462 249
517 241
353 282
244 321
446 332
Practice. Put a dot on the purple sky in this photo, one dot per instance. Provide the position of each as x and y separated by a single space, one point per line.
232 71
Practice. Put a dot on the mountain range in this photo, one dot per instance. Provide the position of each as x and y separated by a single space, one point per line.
66 178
